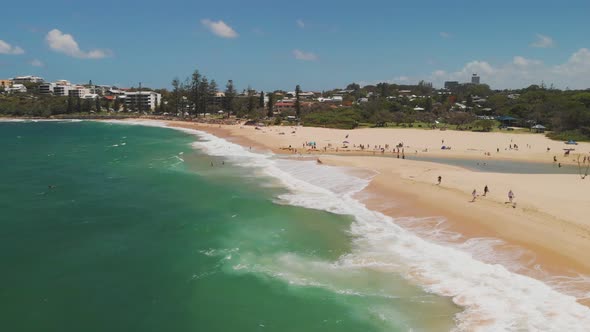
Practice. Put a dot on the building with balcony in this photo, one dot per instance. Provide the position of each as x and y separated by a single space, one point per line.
61 90
142 100
5 83
46 88
27 79
451 85
16 88
78 92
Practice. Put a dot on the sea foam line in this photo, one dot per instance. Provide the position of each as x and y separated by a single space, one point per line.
494 298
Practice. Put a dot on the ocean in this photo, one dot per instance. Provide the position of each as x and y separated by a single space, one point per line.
120 227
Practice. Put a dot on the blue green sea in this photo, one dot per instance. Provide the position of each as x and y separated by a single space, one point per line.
116 227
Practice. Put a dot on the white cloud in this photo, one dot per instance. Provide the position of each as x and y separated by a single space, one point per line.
6 48
522 72
36 63
305 56
522 61
65 43
300 23
439 73
543 41
444 34
219 28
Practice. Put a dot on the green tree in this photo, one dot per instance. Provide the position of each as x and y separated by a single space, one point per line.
176 94
271 97
97 104
297 102
203 95
117 105
485 125
230 94
261 100
79 106
212 91
70 107
195 95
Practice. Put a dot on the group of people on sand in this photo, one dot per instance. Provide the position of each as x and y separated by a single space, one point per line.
486 190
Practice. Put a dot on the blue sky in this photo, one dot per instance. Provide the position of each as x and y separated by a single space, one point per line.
320 45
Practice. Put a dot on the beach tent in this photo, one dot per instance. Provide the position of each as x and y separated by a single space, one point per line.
538 128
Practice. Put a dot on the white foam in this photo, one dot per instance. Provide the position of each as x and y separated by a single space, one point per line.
494 298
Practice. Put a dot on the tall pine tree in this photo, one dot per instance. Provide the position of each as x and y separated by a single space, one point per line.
203 95
230 94
271 97
176 94
196 96
297 101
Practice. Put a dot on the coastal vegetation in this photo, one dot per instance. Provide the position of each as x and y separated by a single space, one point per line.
565 114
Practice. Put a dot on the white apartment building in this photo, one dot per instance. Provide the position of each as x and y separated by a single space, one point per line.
61 90
144 100
46 88
78 92
16 88
27 79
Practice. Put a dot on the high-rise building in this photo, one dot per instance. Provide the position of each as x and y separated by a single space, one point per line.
61 90
450 85
474 79
144 100
46 88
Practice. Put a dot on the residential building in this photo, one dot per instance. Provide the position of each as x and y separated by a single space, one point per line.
16 88
46 88
5 83
284 105
61 90
451 85
27 79
142 100
90 96
474 79
78 92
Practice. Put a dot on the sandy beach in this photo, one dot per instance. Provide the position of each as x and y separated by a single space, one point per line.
546 231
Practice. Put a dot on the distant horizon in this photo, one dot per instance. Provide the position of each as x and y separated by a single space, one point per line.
266 46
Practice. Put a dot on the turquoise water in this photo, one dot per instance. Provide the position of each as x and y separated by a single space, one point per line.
126 228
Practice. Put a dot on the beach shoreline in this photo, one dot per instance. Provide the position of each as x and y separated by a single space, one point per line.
548 240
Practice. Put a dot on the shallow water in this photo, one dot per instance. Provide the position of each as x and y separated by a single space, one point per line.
142 229
127 228
501 166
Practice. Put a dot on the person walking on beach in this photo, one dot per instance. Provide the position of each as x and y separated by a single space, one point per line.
510 196
485 190
439 179
474 195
